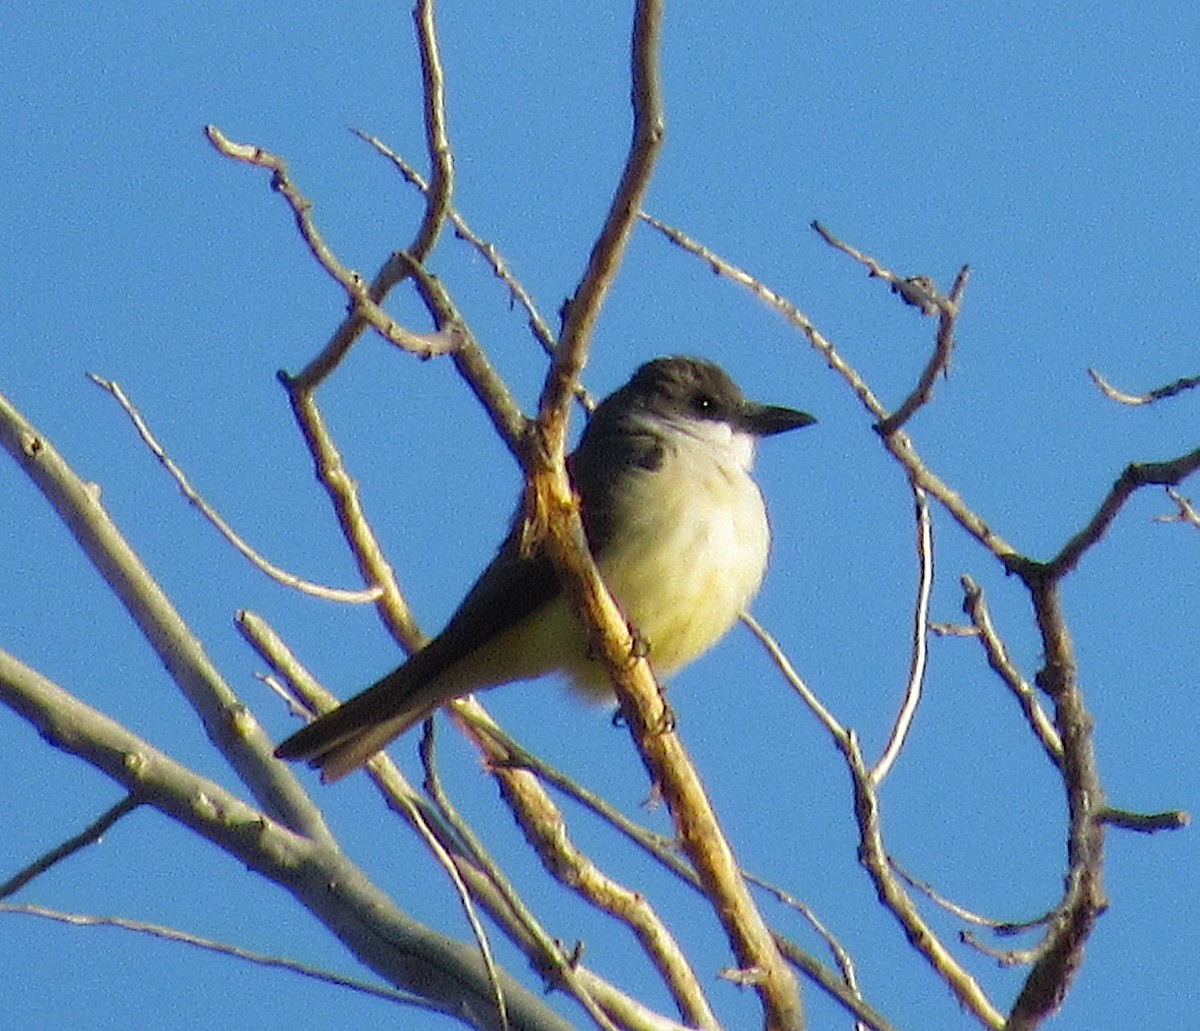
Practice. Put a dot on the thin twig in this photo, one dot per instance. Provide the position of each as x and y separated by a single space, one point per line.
971 917
387 940
474 848
1060 954
90 835
362 304
342 490
509 753
916 291
364 308
1003 666
406 799
1137 474
1187 513
545 829
459 854
782 306
898 444
538 326
277 574
229 724
919 653
839 952
874 858
873 855
437 141
795 681
583 308
223 949
939 361
1144 823
1157 394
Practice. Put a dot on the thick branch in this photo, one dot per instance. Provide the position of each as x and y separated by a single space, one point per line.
228 723
584 306
405 952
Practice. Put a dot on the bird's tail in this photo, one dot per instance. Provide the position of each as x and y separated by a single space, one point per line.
342 740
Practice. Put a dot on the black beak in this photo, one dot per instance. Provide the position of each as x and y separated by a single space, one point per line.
767 420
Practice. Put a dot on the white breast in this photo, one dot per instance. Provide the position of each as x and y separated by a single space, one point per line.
693 548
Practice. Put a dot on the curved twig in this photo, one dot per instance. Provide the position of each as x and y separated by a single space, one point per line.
919 654
280 576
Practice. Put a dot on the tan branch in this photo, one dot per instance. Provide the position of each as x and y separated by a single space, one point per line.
545 829
873 854
517 293
1157 394
898 444
363 305
892 895
919 653
785 667
342 491
277 574
1061 952
666 761
1188 513
583 308
1144 823
313 870
1003 666
437 142
916 291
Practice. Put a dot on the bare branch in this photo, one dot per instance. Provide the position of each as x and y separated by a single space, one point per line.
873 855
784 665
545 829
503 751
939 361
1137 474
363 305
90 835
1157 394
1187 511
782 306
1143 823
229 724
552 952
223 949
342 491
552 510
314 871
437 142
583 308
472 364
277 574
874 858
365 300
519 295
998 926
898 444
998 659
916 291
920 642
1061 953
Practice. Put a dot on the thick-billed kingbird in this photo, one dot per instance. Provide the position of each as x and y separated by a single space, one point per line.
678 530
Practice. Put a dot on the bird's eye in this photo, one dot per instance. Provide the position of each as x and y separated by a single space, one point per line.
702 404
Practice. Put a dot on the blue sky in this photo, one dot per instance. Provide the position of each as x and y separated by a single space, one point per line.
1053 151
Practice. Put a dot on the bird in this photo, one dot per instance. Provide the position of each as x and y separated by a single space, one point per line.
679 532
